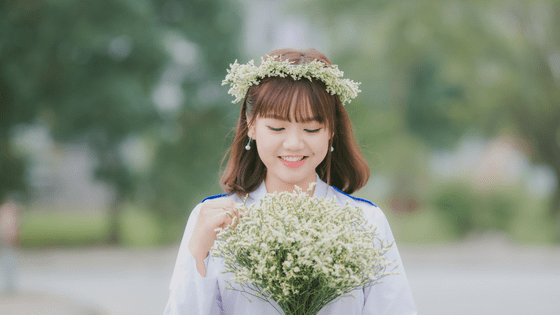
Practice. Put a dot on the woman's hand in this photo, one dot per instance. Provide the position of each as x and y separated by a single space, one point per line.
216 213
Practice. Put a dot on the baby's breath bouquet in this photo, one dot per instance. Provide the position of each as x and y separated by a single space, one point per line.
300 251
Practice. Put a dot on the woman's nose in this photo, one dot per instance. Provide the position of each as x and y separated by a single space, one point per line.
294 141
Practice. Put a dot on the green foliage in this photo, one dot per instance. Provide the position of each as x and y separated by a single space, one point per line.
466 211
81 65
432 107
442 68
531 223
46 228
12 168
424 226
87 70
186 172
523 218
142 228
457 205
60 229
186 165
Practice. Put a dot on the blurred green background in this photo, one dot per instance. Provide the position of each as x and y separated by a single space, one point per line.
114 122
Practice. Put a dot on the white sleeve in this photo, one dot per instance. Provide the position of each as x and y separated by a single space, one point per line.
392 296
190 293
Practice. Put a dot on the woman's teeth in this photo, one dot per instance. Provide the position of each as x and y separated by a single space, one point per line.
293 161
292 158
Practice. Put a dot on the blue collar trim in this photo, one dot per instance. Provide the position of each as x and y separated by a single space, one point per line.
214 197
355 198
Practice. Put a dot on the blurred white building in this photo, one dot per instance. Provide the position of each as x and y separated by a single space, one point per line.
493 163
60 175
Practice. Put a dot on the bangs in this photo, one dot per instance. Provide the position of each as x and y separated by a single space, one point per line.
285 98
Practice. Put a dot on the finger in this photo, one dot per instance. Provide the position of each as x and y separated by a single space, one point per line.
236 213
223 219
212 210
236 219
242 213
222 216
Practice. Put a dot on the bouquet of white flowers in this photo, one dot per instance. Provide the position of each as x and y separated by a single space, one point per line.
300 251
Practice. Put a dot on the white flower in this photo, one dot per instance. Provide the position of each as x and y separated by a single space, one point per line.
291 242
241 77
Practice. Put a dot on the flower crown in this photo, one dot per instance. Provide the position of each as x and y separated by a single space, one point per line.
241 77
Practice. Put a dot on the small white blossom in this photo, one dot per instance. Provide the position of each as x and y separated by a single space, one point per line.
241 77
291 243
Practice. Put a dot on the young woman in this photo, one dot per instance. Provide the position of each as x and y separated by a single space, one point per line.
292 130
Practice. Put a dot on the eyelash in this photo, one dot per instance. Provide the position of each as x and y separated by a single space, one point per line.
308 130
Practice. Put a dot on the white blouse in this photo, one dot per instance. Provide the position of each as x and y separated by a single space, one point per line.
190 293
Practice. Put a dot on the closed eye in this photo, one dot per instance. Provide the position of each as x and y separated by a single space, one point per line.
312 130
275 129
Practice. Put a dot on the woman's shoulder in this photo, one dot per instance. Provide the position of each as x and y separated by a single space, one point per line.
222 196
195 211
218 196
371 212
354 198
370 209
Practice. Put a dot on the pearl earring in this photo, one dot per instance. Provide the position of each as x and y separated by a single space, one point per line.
248 146
332 148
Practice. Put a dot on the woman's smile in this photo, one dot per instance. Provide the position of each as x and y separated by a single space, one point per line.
293 161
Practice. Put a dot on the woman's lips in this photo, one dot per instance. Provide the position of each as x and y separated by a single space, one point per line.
293 164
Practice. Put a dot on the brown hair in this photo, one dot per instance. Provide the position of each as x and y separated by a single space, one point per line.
345 168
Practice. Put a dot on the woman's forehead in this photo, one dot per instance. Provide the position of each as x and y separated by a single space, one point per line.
299 101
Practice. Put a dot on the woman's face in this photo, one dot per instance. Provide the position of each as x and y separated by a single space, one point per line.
290 151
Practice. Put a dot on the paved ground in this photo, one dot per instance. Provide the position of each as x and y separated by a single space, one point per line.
479 276
486 276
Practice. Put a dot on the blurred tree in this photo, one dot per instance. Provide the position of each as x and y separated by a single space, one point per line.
186 164
88 70
448 66
498 66
466 211
84 68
